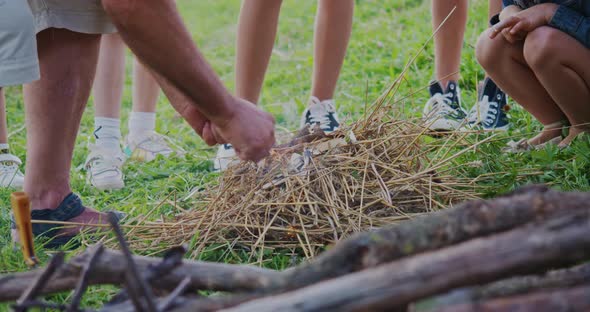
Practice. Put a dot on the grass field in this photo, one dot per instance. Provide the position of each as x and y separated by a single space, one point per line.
387 33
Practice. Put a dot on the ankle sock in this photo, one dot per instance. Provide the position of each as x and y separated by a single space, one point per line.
141 123
107 132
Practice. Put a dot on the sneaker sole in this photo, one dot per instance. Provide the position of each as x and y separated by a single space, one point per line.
112 186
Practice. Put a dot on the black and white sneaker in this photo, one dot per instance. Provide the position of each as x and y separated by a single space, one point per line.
489 113
443 111
322 113
226 156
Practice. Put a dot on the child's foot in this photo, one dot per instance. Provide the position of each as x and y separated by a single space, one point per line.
10 175
145 147
104 168
322 113
551 134
226 156
443 111
490 110
573 134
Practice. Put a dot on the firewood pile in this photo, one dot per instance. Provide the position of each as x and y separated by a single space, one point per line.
522 252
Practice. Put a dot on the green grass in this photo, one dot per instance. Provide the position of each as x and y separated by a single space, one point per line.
387 33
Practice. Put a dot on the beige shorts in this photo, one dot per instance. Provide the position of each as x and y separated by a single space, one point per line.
83 16
18 47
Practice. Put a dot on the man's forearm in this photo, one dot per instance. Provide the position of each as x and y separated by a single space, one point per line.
154 31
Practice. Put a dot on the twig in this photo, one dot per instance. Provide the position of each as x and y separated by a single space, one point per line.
169 300
136 285
83 282
55 262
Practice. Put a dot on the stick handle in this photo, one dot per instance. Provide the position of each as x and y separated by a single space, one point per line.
21 208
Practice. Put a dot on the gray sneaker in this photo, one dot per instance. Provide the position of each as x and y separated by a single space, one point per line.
443 111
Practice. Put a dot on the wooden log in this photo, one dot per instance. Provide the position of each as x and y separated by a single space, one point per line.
437 230
530 249
561 300
110 268
557 279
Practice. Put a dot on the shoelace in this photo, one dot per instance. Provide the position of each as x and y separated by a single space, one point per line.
101 165
486 108
439 105
322 115
10 167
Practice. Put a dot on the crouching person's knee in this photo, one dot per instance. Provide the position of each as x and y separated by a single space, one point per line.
487 50
541 48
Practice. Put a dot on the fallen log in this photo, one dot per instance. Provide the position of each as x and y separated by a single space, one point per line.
110 268
562 300
531 249
437 230
557 279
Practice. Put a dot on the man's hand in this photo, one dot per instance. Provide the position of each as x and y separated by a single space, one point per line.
196 120
517 26
249 129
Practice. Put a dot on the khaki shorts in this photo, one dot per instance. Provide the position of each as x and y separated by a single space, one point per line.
83 16
18 46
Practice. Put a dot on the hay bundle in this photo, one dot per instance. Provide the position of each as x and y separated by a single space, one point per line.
320 188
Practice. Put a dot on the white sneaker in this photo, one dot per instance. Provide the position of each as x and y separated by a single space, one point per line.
443 111
146 147
322 113
10 175
226 156
104 168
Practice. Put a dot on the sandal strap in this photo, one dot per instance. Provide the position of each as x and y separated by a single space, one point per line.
68 209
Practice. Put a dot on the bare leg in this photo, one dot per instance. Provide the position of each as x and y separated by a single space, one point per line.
110 77
3 130
54 106
560 63
505 64
332 33
145 89
494 7
448 42
257 29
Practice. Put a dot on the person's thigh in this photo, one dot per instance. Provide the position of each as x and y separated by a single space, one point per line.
18 49
82 16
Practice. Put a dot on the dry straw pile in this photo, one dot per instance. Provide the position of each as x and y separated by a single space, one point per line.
317 189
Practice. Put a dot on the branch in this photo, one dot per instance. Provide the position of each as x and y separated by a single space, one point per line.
530 249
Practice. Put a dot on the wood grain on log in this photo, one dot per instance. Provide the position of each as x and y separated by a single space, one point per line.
110 268
557 279
530 249
561 300
437 230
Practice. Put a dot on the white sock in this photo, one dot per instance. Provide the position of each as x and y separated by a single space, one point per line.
141 124
107 132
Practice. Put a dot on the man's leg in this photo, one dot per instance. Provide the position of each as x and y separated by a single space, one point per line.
448 42
505 64
54 106
257 29
332 33
561 65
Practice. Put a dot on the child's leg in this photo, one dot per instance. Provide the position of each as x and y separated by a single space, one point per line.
561 65
257 30
448 42
494 7
108 91
146 91
332 33
505 64
3 127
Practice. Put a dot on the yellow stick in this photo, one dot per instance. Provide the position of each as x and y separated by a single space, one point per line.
21 208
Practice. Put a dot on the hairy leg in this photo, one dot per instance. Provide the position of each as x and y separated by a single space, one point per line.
561 65
54 106
332 33
448 42
257 29
110 77
505 64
